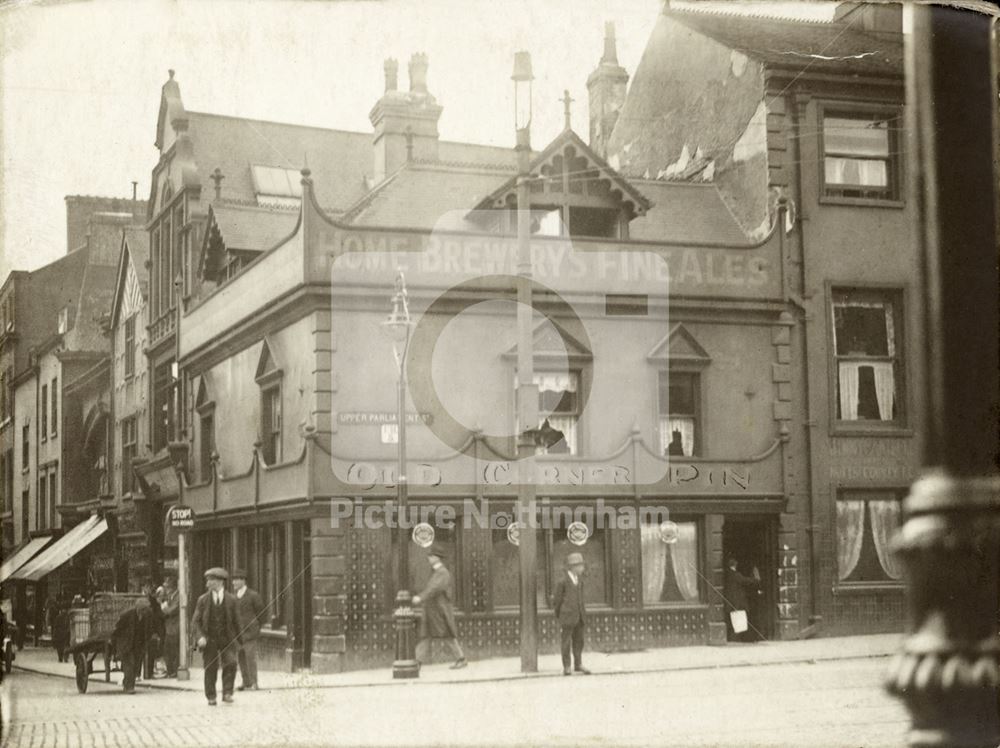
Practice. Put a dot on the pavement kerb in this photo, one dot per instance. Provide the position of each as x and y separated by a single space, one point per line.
308 681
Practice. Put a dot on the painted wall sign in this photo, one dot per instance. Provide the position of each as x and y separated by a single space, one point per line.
377 418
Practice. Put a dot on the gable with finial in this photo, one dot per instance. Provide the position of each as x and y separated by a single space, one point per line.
570 171
679 346
551 339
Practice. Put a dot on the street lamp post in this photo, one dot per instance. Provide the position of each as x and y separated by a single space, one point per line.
182 586
527 390
397 325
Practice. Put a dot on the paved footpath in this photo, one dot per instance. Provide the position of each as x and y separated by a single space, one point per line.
826 703
43 661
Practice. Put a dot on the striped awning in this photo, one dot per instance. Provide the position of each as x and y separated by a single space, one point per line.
23 556
63 549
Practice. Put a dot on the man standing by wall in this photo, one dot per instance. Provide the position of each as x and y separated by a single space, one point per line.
172 624
216 630
250 609
571 611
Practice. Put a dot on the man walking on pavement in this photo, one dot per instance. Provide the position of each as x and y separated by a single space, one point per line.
438 621
171 606
130 639
250 608
216 630
571 611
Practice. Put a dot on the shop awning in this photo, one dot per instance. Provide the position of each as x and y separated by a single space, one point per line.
63 549
23 556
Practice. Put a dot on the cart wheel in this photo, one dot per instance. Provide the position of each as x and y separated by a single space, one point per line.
81 672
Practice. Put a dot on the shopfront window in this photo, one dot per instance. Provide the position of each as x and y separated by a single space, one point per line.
594 550
866 522
670 570
420 569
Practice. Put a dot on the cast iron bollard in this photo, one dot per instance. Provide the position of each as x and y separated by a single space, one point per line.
405 622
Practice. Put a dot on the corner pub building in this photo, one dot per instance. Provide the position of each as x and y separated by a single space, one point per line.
683 349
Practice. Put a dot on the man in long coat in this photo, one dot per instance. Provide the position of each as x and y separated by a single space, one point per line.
216 630
571 612
131 638
251 609
438 621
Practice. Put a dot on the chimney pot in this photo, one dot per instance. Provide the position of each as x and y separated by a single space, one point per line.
610 44
391 67
418 73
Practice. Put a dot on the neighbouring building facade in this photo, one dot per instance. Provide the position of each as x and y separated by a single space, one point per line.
56 354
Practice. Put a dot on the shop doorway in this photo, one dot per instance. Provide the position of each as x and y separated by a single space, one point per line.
753 541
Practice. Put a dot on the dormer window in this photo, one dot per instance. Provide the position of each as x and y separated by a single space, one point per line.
276 186
573 191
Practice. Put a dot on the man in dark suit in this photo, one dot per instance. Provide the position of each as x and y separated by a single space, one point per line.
250 608
737 588
438 621
571 612
130 640
171 625
216 630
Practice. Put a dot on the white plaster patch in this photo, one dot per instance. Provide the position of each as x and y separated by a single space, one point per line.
753 141
680 164
708 173
737 63
613 161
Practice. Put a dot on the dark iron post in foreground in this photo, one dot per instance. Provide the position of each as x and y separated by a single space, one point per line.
948 673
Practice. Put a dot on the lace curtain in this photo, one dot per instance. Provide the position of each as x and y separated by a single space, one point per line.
567 425
683 560
684 427
850 535
856 171
849 377
885 388
562 382
885 519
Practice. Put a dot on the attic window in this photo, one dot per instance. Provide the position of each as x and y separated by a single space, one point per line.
272 182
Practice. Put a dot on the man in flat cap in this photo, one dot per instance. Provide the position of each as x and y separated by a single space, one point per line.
251 609
438 621
216 630
571 611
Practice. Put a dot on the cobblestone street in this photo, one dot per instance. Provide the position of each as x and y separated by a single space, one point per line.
836 703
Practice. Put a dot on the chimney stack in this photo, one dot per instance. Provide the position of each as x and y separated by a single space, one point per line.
606 88
418 73
391 68
405 123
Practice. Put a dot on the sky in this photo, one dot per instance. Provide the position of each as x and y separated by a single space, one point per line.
80 80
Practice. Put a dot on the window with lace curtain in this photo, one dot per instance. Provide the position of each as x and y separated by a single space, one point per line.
866 523
678 400
866 343
558 402
861 154
670 571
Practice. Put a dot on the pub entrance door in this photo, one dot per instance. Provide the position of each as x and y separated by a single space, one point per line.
753 541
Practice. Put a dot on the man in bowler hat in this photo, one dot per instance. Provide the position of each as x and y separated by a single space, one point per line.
216 630
250 608
438 621
571 612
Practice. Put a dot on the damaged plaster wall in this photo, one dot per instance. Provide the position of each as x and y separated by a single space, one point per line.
696 111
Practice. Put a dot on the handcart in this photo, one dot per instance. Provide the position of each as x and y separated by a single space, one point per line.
105 610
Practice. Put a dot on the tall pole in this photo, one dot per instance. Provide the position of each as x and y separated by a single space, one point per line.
182 588
401 480
527 395
947 671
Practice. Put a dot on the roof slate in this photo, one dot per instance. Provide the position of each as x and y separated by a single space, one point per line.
249 228
817 46
684 212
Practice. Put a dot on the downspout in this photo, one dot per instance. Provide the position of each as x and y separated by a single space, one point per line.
815 619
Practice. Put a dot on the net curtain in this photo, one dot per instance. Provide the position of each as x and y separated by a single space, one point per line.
682 559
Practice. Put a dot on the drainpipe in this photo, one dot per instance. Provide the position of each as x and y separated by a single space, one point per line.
799 102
